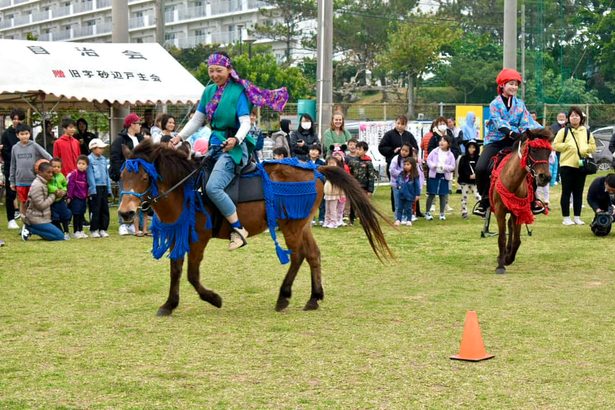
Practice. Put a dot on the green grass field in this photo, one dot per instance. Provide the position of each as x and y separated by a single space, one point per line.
78 326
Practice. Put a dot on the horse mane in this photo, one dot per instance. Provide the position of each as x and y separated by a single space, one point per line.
172 165
539 133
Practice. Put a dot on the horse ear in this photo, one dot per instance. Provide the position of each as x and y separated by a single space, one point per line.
126 151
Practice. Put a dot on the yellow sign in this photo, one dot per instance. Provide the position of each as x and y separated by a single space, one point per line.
461 112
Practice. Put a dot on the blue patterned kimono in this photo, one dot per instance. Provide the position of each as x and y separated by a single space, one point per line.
517 119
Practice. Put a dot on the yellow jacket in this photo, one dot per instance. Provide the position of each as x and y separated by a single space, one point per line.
569 156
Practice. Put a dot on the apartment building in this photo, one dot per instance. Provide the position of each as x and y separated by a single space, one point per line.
187 22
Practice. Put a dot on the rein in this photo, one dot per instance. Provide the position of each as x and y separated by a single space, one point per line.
132 165
533 144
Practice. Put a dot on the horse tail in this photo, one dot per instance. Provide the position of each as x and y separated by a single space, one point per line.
363 208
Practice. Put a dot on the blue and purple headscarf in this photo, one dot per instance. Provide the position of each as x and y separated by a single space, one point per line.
275 99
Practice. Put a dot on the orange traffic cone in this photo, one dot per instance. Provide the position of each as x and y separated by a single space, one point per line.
472 347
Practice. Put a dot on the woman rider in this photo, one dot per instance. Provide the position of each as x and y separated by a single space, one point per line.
509 119
226 106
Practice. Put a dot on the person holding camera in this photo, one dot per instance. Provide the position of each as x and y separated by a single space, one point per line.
303 138
601 198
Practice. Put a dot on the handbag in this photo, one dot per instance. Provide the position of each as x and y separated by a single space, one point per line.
587 165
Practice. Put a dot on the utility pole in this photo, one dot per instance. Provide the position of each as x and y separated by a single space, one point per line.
523 51
510 34
159 14
324 66
119 34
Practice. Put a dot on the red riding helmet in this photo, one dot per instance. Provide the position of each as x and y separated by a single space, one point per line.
506 75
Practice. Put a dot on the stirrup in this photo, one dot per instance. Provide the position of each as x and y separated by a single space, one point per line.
238 238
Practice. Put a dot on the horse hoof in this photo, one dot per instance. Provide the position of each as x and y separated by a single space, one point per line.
281 305
311 305
164 312
500 271
214 299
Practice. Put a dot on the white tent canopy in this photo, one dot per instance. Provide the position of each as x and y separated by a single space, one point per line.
103 73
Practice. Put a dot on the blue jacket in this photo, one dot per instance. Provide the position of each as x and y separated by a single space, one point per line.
517 119
409 189
98 174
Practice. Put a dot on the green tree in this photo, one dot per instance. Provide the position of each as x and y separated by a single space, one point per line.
560 91
284 22
414 49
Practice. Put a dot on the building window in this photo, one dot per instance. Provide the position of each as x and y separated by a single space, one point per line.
90 23
169 36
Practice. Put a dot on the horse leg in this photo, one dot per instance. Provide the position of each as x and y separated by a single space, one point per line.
312 254
509 241
292 237
194 274
501 243
516 242
173 300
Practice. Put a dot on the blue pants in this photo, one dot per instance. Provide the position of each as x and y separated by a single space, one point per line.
403 210
221 176
60 211
48 231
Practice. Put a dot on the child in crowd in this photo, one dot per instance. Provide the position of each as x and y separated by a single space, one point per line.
338 152
99 188
60 214
37 219
395 169
467 174
314 158
23 157
441 163
352 151
543 192
408 188
67 147
314 155
334 198
280 153
78 195
363 171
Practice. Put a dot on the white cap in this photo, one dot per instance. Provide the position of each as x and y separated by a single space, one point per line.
96 143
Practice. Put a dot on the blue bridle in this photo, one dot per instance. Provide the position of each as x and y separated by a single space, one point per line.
151 193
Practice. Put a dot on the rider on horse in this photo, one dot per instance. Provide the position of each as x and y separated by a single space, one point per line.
509 119
226 106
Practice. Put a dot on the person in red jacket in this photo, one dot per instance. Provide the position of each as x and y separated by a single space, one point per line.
67 148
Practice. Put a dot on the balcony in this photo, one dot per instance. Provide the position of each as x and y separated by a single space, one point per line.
83 7
139 22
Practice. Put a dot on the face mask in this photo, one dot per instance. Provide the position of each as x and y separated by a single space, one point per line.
306 125
561 122
442 128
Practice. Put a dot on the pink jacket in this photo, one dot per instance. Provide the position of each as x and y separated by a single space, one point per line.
433 160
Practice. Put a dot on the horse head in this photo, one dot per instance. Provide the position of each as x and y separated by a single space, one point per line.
137 180
535 149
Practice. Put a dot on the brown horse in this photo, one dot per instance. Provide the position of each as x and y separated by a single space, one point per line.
512 189
173 167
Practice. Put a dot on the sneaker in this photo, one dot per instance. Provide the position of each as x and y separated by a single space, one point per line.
238 238
414 218
25 233
408 223
1 243
66 236
432 209
103 234
83 235
428 216
479 210
578 221
442 217
397 223
131 229
13 224
94 234
567 221
321 223
538 207
123 230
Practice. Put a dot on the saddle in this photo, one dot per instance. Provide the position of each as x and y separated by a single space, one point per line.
246 186
497 159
